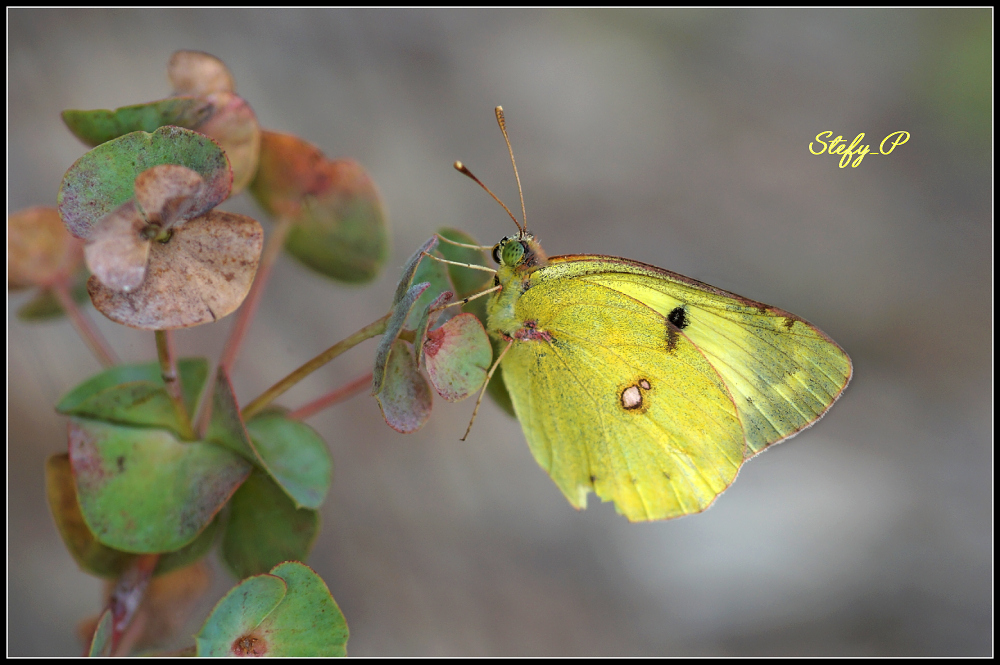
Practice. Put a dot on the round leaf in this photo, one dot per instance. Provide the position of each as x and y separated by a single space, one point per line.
265 528
116 251
458 357
228 631
199 275
296 456
197 73
104 178
405 398
339 224
142 490
308 621
167 193
233 125
39 250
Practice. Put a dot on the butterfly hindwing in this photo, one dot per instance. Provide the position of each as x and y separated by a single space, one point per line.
613 398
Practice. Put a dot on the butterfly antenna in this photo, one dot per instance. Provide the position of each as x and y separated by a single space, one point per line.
503 128
485 384
461 168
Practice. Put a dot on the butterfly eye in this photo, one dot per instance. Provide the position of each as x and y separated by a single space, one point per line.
496 253
512 253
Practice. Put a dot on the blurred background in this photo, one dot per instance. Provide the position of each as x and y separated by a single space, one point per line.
674 137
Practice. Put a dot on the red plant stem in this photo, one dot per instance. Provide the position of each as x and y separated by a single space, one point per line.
171 379
278 389
91 335
339 395
249 307
128 594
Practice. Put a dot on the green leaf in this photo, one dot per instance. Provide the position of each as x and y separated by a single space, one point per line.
193 372
496 389
466 280
228 629
458 356
142 490
289 451
98 126
91 555
104 178
260 617
405 398
297 457
308 621
45 306
434 273
265 528
100 642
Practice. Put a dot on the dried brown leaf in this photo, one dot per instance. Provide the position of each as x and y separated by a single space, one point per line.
117 251
198 74
233 125
167 193
199 275
40 251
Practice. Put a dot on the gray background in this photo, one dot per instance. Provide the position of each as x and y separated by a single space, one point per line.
677 138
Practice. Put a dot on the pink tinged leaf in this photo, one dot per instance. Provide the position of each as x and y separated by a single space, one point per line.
428 318
199 275
233 125
405 398
400 313
40 251
198 74
307 603
228 631
458 356
141 490
117 251
167 193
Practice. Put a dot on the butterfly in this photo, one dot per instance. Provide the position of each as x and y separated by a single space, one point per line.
649 388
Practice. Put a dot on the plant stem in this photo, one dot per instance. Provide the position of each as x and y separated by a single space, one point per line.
275 391
91 335
249 307
171 379
128 594
339 395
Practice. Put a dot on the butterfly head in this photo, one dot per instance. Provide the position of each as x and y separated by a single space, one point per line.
520 251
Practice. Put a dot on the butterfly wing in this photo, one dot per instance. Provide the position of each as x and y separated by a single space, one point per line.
612 398
782 372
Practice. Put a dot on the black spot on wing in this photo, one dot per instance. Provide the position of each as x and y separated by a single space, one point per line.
678 316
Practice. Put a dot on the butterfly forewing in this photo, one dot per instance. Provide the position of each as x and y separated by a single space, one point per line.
611 397
783 373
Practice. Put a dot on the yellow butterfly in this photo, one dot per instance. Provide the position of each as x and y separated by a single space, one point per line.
647 387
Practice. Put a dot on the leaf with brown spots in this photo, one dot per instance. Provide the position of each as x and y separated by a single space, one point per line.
117 251
200 274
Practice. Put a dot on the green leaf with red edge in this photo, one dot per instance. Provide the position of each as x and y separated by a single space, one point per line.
265 528
101 125
466 281
91 555
104 178
228 629
100 641
405 398
308 621
192 371
458 357
339 226
260 618
288 451
142 490
400 313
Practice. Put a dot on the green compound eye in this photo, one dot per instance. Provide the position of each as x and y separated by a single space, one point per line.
512 252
